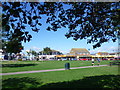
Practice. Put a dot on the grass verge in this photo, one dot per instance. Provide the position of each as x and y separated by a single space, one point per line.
97 77
17 66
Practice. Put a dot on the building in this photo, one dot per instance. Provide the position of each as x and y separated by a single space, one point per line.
105 56
50 56
1 54
79 51
76 54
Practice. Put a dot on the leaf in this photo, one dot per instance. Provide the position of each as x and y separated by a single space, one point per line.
67 35
28 39
34 17
12 25
29 36
36 30
7 27
29 18
114 40
29 22
39 24
23 27
26 33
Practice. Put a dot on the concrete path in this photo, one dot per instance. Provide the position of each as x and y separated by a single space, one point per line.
13 73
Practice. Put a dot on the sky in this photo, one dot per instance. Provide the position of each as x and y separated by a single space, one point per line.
58 41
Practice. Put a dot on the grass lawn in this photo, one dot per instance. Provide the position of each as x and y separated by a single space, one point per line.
16 66
97 77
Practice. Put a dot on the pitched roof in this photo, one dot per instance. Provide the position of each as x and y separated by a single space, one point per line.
55 50
102 53
80 50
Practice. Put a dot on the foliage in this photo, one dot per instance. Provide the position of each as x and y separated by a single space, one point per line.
13 47
98 21
46 51
33 52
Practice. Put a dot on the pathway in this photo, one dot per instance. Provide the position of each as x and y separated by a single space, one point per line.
13 73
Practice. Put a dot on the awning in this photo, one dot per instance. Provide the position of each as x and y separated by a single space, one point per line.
65 56
85 56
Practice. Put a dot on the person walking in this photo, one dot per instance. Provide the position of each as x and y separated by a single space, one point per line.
98 61
93 61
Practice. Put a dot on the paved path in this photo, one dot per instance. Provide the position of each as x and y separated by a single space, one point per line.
49 70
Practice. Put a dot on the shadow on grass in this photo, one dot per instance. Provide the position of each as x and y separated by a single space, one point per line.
17 65
20 83
103 81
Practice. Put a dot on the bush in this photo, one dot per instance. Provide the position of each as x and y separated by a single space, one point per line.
19 59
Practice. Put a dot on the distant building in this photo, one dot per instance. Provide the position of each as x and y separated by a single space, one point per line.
50 56
79 51
1 54
105 55
76 54
102 53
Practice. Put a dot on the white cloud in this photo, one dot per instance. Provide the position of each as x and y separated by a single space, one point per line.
105 49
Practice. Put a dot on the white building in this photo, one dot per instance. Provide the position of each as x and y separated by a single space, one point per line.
51 56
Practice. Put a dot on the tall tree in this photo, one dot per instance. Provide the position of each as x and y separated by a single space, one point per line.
47 51
98 22
34 53
13 47
10 44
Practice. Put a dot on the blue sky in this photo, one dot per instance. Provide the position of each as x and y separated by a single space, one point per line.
58 41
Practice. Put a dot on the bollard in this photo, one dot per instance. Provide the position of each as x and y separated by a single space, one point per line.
67 66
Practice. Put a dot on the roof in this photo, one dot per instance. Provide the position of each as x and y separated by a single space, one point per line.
55 50
52 50
80 50
102 53
65 56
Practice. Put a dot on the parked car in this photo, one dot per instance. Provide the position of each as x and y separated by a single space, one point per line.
24 58
83 59
63 59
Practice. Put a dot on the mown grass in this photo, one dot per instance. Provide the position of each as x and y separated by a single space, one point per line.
13 66
16 66
96 77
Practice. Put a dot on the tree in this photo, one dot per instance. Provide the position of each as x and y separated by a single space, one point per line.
10 44
34 53
98 22
47 51
13 47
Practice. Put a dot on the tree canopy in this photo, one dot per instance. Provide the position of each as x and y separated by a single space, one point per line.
13 47
46 51
98 22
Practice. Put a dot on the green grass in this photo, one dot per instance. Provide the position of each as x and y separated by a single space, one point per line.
16 66
98 77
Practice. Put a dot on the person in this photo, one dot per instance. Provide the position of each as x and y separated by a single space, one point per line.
98 61
92 61
5 57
